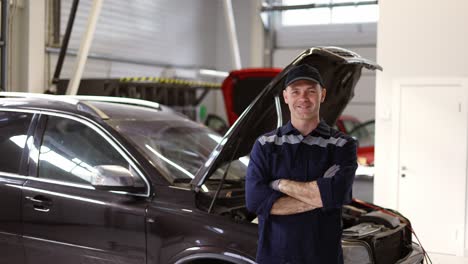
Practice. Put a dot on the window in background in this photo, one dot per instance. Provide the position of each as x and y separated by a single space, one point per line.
335 15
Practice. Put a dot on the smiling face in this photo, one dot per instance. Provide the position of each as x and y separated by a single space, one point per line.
303 98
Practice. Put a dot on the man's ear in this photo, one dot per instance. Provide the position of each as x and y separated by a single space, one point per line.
285 96
324 94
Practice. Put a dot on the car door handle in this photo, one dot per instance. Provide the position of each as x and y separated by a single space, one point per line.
39 202
34 200
41 209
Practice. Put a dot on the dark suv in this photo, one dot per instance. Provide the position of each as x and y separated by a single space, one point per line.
117 180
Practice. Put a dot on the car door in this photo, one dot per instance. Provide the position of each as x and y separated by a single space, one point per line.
66 219
14 128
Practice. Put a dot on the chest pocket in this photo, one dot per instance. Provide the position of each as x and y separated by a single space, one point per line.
317 161
300 163
280 164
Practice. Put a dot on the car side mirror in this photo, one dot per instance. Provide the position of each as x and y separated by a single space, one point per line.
114 178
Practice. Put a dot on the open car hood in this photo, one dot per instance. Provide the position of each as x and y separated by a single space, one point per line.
340 70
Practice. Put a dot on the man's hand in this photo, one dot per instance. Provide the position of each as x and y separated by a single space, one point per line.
275 185
289 206
331 171
307 192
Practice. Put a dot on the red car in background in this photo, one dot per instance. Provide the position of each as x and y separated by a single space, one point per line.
240 89
347 123
364 133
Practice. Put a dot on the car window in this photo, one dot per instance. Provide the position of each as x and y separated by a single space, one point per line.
177 148
364 134
70 150
350 125
13 132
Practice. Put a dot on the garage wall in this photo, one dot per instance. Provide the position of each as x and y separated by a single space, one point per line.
150 33
161 32
431 44
417 39
360 38
249 33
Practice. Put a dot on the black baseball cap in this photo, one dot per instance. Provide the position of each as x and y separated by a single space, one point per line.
303 72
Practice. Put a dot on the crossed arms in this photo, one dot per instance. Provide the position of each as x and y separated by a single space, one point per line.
285 197
301 197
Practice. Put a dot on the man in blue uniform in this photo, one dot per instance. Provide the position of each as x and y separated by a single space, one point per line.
299 177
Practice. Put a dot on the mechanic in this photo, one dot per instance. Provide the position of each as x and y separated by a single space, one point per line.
299 177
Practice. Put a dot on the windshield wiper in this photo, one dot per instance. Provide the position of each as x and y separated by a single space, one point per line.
182 180
227 180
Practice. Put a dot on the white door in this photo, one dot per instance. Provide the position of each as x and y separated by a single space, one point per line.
432 158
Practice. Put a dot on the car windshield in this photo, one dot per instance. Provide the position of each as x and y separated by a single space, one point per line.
178 148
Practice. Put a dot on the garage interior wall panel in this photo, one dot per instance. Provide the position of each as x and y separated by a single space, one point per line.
165 32
96 68
332 34
246 22
412 45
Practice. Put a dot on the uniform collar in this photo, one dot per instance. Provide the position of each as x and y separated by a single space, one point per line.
322 129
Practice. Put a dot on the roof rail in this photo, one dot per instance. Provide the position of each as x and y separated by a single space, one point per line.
121 100
81 106
68 100
75 99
